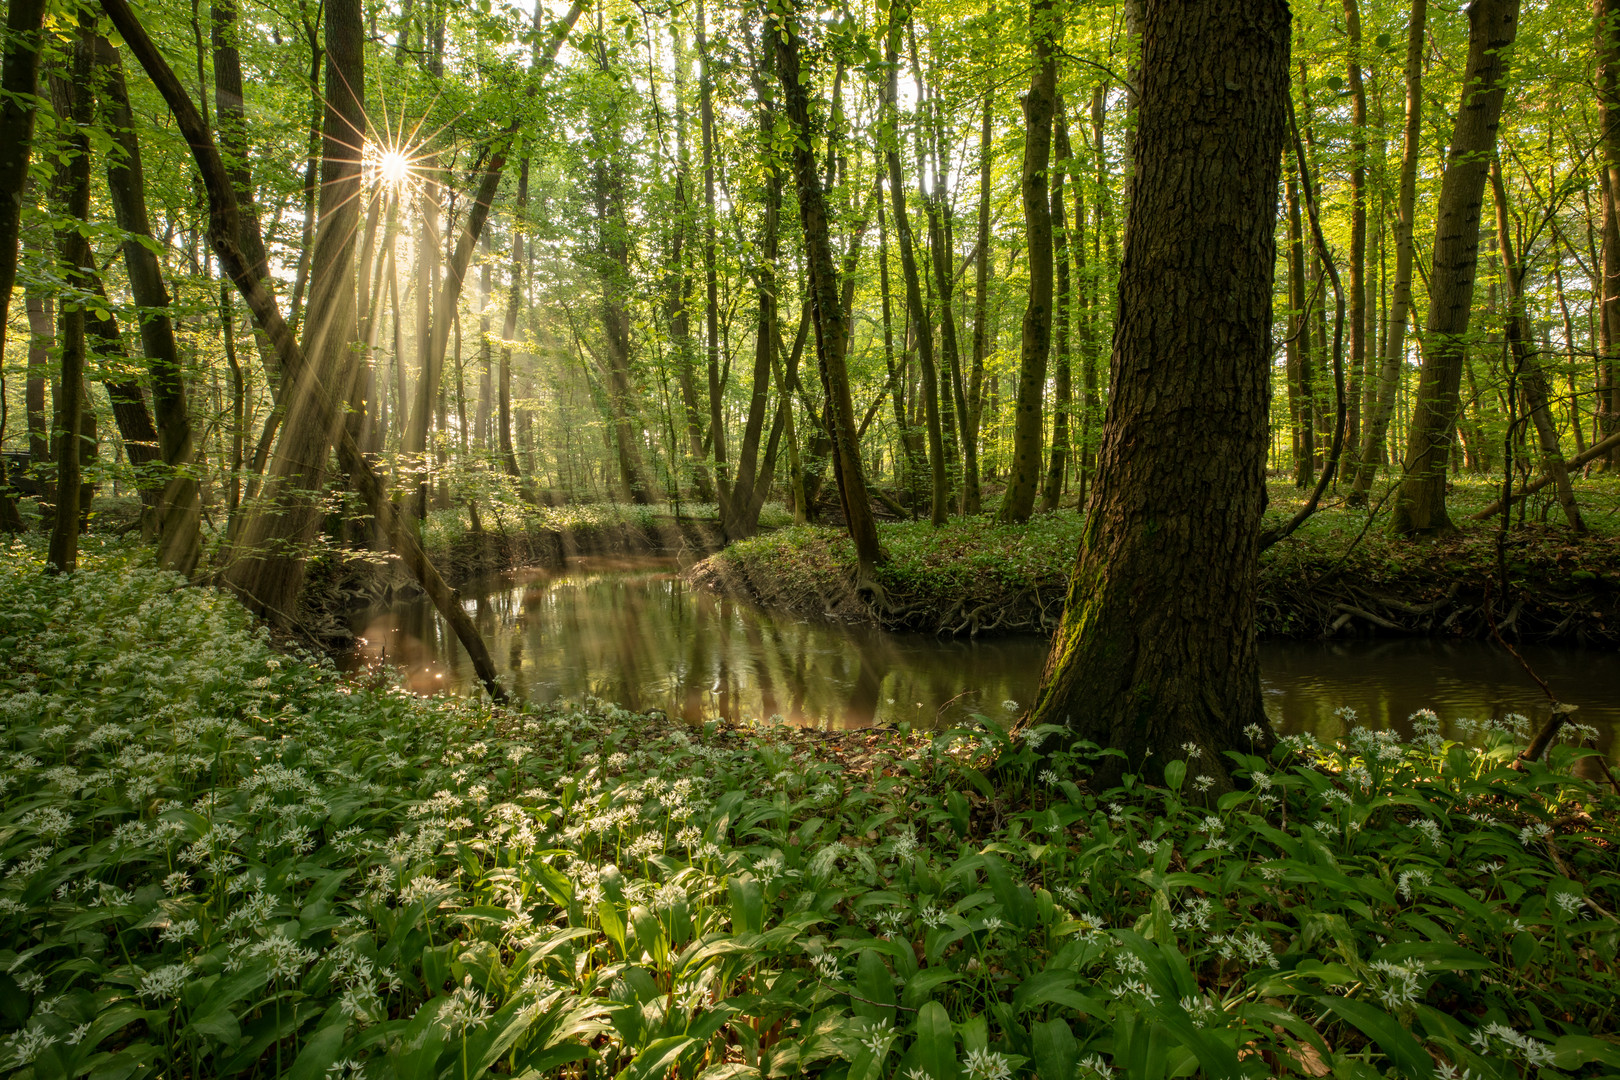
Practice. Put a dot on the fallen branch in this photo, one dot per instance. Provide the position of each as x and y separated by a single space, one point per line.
1596 450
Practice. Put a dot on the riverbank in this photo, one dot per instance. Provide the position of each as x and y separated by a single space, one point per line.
1335 577
224 860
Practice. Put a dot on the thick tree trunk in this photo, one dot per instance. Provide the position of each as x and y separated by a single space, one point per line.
73 99
1400 305
1039 106
179 506
1062 391
19 74
1156 648
832 334
1421 504
270 554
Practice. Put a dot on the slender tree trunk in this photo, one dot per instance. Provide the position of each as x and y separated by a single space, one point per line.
1156 648
514 298
179 507
1607 19
1421 504
41 333
1357 284
827 311
1039 106
1528 362
1062 392
923 328
1400 305
972 498
19 76
1300 402
711 278
73 100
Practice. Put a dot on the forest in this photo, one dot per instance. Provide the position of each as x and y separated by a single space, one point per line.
707 540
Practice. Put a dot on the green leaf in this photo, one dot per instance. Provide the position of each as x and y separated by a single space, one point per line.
319 1053
936 1042
659 1057
1403 1051
874 988
1056 1052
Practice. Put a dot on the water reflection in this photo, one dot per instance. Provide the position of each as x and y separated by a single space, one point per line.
634 633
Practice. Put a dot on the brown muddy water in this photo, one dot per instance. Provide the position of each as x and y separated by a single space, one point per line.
632 632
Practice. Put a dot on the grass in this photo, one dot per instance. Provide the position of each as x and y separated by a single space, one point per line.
221 860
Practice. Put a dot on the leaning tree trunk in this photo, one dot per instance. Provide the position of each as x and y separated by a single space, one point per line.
19 73
1420 507
1157 648
1400 305
1039 107
179 505
832 331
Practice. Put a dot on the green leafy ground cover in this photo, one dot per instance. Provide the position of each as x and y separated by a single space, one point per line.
223 860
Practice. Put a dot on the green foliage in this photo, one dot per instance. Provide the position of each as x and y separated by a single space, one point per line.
224 860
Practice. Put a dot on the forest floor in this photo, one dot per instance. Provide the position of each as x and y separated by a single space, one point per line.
221 859
1342 573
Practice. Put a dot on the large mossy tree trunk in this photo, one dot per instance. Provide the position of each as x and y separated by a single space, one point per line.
1420 506
1156 647
1040 105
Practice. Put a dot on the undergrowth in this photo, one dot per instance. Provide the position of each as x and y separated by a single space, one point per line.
221 860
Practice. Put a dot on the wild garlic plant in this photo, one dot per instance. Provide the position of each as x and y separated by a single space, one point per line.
220 859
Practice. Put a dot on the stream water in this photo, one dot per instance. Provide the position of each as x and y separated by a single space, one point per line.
631 631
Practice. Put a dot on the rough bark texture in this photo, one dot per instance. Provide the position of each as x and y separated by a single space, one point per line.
1156 647
1356 285
832 331
1039 106
1400 300
1062 390
1300 406
1421 504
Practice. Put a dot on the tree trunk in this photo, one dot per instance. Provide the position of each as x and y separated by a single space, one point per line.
1357 284
514 298
269 557
73 99
1156 647
1300 403
19 75
1040 104
827 311
1400 305
920 324
711 279
1607 19
1421 504
1528 363
179 507
972 499
1062 392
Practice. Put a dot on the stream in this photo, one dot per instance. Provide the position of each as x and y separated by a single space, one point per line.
631 631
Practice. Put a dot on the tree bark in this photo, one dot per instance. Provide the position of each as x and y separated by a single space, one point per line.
270 554
711 278
1607 20
1301 405
1062 391
1528 362
1357 284
73 100
1400 301
972 498
19 76
514 298
1045 23
1156 648
922 327
179 506
827 310
1421 503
